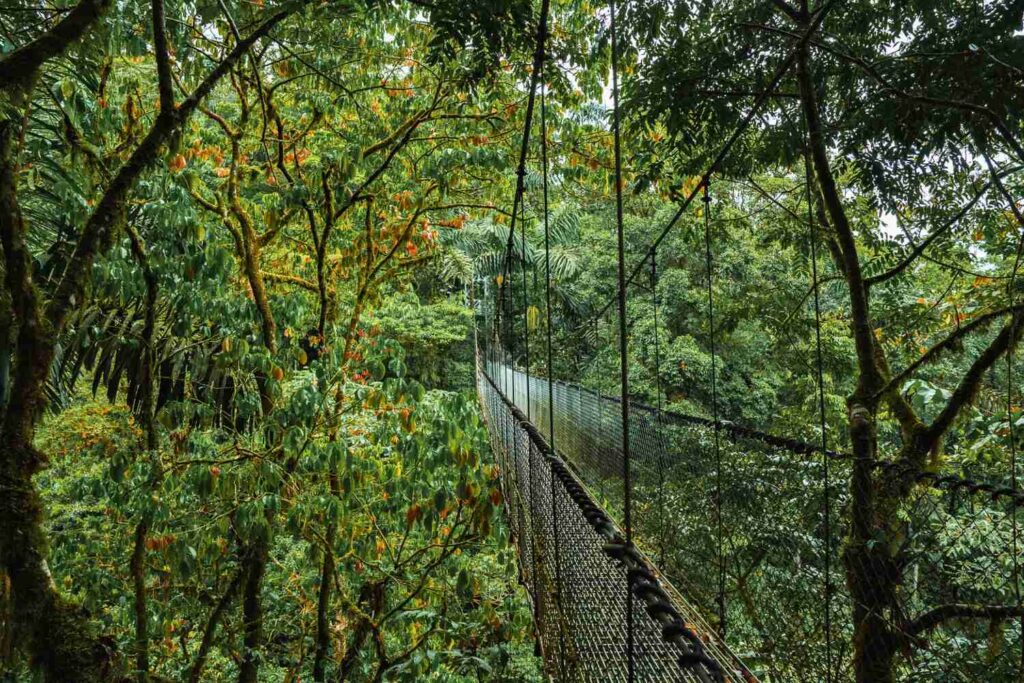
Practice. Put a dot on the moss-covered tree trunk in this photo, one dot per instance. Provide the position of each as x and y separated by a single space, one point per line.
871 574
51 631
55 635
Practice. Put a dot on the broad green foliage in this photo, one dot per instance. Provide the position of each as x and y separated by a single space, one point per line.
248 246
416 525
441 335
263 460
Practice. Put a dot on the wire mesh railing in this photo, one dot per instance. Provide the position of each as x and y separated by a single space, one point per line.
576 566
775 547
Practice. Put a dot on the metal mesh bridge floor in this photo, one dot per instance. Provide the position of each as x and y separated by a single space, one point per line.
575 562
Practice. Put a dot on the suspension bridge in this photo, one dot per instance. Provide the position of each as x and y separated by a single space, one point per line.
576 563
658 546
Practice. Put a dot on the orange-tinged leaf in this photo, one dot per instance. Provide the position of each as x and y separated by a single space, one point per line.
412 514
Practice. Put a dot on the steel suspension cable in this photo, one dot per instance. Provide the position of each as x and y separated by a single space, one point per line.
826 483
627 503
505 280
538 61
1015 528
660 413
657 352
766 93
538 66
1011 289
526 314
547 265
714 407
538 602
550 368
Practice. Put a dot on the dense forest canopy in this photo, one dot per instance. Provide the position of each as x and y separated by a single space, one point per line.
214 215
248 246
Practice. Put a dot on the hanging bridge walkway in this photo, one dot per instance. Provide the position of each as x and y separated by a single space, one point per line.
753 504
657 546
575 561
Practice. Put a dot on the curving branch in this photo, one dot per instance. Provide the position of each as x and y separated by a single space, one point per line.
484 207
19 68
934 618
1014 208
97 233
409 128
790 11
964 394
212 623
948 344
920 248
283 278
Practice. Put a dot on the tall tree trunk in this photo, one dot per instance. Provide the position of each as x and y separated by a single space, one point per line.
54 633
252 610
138 571
323 625
371 601
872 573
212 623
138 561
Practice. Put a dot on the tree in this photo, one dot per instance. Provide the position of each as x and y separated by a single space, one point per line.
925 128
238 157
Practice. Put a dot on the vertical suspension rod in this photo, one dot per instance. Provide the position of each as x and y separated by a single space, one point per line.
623 342
551 374
720 553
826 482
658 423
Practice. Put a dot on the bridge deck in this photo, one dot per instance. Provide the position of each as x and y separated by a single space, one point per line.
573 557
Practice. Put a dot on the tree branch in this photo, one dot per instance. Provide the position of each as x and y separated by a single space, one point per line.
165 83
97 233
395 149
965 392
290 280
486 207
923 245
196 672
791 12
943 613
948 344
411 123
19 68
831 198
1014 208
403 238
834 250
